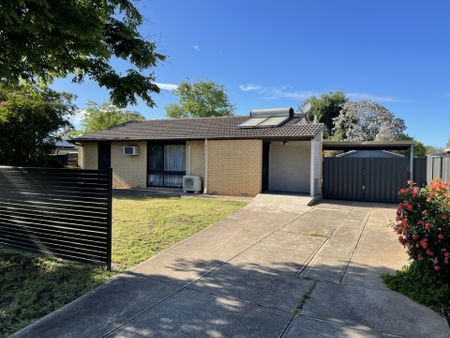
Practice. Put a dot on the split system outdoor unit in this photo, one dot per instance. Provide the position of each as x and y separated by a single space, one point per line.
192 184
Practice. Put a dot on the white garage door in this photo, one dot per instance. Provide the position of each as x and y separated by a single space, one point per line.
289 166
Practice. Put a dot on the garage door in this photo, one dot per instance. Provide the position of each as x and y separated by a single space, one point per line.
289 166
368 179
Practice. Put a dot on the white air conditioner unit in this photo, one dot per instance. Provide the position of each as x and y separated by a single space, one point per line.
130 150
192 184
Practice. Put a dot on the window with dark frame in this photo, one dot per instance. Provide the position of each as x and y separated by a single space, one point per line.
166 164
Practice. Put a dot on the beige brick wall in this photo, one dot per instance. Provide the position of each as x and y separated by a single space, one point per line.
129 171
234 167
197 162
88 155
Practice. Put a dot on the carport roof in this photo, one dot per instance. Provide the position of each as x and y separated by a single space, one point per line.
203 128
367 145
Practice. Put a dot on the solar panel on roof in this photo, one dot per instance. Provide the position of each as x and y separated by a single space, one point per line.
253 122
273 121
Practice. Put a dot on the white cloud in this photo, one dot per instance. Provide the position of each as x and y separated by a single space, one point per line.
77 118
196 48
373 97
286 92
271 93
447 95
166 86
249 87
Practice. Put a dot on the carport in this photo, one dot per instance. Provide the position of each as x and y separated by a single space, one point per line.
369 179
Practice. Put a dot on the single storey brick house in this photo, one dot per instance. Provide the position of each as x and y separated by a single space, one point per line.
270 150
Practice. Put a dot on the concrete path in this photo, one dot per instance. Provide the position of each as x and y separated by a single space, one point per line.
274 268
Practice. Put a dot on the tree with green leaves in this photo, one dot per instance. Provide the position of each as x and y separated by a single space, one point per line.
106 115
326 107
32 120
448 143
46 39
419 148
200 99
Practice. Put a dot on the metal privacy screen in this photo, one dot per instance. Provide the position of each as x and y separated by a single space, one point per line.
65 213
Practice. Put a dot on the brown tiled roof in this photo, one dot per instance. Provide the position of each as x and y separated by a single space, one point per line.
201 128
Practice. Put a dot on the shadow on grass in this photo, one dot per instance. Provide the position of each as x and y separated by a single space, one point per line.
139 195
32 286
179 297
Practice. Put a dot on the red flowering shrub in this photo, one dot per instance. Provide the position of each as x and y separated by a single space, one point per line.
423 225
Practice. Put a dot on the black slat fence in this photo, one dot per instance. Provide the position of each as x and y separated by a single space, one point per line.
58 161
69 160
65 213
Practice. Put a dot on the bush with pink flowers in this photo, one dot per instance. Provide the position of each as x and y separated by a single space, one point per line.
423 227
423 224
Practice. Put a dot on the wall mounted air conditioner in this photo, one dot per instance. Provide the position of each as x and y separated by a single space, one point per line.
130 150
192 184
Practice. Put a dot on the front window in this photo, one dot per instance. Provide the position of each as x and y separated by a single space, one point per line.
166 164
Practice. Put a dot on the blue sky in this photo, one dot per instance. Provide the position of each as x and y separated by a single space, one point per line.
277 53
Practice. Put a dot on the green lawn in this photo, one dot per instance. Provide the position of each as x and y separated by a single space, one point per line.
32 286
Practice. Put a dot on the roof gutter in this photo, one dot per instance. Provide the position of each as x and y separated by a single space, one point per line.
367 145
292 138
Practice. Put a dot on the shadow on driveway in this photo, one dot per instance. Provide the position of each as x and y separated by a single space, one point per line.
260 273
232 301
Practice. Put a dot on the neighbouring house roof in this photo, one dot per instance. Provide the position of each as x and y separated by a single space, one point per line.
203 128
64 144
367 145
445 153
370 154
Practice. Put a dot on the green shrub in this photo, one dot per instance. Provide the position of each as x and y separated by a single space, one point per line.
423 224
423 228
419 282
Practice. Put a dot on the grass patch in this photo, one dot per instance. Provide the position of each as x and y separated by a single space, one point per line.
420 284
316 234
32 286
306 296
144 226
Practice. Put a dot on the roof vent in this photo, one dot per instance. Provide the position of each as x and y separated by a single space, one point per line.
265 118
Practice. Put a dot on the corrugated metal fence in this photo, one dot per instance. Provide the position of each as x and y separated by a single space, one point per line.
61 212
438 167
369 179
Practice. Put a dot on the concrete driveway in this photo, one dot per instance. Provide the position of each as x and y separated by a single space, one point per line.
274 268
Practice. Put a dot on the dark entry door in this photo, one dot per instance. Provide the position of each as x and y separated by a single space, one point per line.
156 165
104 155
166 164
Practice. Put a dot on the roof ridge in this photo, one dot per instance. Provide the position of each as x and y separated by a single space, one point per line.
194 118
